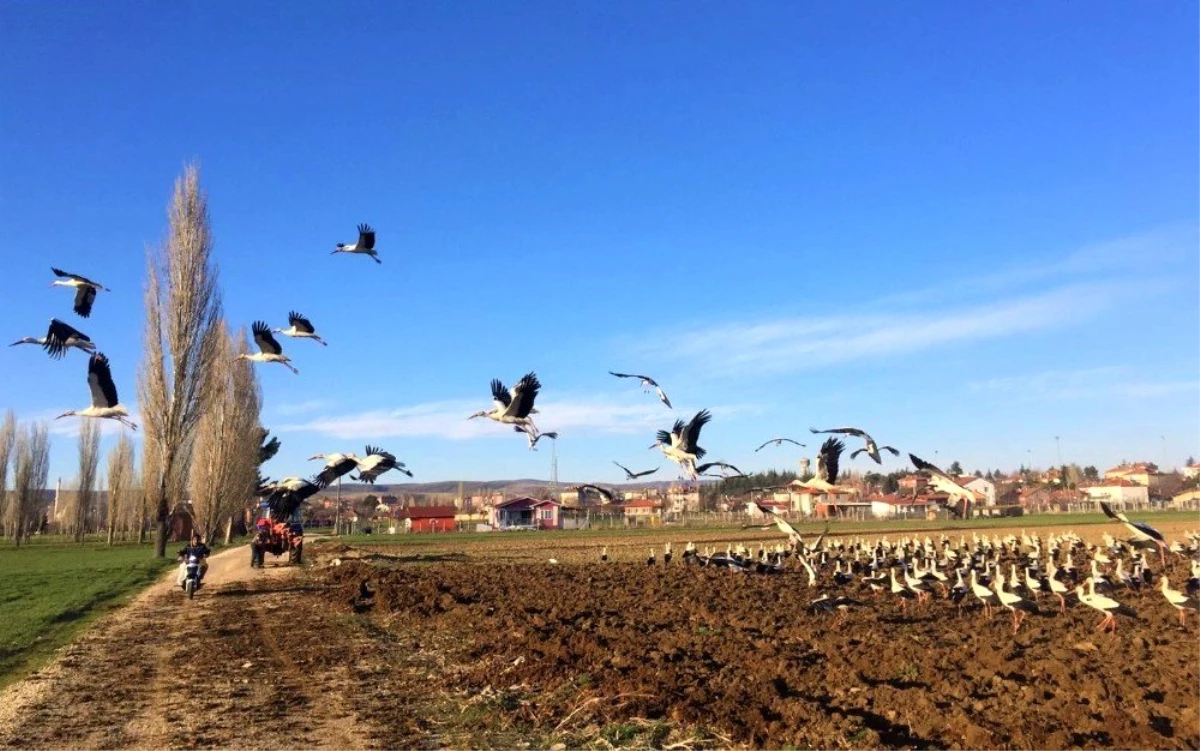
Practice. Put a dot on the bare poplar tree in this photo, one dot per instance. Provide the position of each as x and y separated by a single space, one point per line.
120 481
31 470
8 435
225 463
183 310
89 465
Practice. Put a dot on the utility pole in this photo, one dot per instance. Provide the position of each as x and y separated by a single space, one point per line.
337 514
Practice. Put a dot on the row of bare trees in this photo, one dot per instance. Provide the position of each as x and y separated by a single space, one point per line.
199 406
26 449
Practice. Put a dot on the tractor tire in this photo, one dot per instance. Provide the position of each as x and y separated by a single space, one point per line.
296 554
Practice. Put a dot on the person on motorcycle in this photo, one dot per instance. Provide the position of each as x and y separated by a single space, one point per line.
198 549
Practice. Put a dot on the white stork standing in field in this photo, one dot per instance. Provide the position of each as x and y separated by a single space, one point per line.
364 246
375 463
269 349
680 444
872 449
647 384
85 290
1106 605
1016 604
1144 536
336 465
58 339
942 482
300 328
778 442
513 407
1180 601
105 403
631 475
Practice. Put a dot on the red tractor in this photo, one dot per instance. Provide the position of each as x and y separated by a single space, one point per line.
276 538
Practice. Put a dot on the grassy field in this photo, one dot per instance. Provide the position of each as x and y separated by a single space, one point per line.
50 589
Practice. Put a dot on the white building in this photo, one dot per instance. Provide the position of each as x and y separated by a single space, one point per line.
983 487
1120 493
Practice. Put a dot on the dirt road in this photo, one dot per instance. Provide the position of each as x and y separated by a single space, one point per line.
168 673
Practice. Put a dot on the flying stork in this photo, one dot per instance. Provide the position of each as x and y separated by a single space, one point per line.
365 244
376 462
85 290
269 349
872 449
630 475
533 436
778 442
827 465
58 339
680 444
703 470
513 407
607 495
105 403
284 501
647 384
1144 536
336 465
300 328
943 483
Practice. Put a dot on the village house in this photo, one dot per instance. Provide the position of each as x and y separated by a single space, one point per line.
983 488
1119 492
427 518
1145 474
893 506
1191 471
644 511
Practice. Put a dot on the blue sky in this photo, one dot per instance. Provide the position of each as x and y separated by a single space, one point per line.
967 228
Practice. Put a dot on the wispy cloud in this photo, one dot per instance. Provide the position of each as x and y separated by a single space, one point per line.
1156 247
611 415
803 342
1087 383
300 408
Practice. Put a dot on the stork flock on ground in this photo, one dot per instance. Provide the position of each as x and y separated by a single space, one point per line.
1010 573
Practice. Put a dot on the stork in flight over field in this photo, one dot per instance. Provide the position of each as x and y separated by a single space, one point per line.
376 462
365 244
782 525
534 436
513 407
631 475
58 339
300 328
828 459
647 384
680 445
944 483
85 290
607 495
1144 536
872 449
778 442
336 465
269 349
703 470
105 403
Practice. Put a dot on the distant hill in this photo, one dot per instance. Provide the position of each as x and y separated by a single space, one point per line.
522 486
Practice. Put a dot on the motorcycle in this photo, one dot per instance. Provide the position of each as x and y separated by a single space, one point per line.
191 577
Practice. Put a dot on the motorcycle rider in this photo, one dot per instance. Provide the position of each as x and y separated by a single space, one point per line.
198 549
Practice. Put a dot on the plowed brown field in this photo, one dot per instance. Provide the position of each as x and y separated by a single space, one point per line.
497 647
